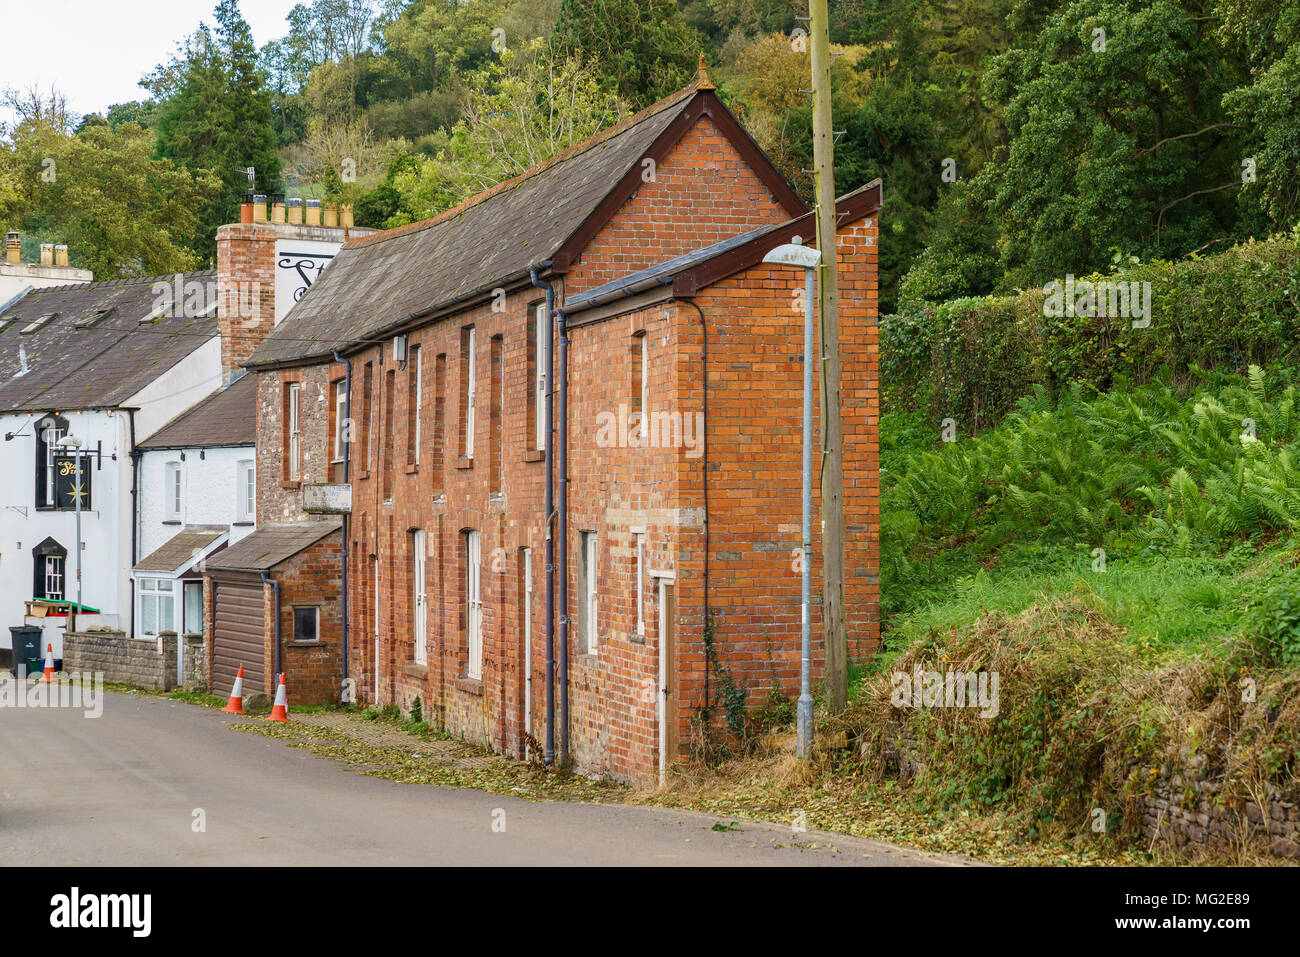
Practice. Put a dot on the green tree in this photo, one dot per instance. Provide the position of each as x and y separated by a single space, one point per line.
219 118
643 46
122 210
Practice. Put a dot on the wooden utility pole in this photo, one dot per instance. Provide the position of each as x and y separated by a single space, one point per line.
832 471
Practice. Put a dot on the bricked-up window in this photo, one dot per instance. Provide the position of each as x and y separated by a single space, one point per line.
468 375
293 431
588 572
306 623
537 345
339 411
367 402
414 404
640 391
473 579
496 403
390 389
439 419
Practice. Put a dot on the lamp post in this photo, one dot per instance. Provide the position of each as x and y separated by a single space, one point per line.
794 254
73 442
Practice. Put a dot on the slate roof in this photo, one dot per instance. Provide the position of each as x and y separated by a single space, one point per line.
379 281
268 546
104 363
178 551
225 418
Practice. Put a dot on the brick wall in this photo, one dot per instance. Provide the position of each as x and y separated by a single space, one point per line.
702 193
278 499
246 290
310 579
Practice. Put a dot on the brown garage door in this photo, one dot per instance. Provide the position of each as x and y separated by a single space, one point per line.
237 636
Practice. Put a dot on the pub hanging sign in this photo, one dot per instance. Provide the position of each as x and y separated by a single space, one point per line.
66 491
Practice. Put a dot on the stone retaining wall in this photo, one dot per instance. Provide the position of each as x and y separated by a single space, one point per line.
135 661
1181 808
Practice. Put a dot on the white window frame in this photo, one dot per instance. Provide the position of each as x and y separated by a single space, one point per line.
420 599
51 437
55 567
246 490
590 595
541 346
151 591
340 417
295 431
174 488
419 397
471 386
474 603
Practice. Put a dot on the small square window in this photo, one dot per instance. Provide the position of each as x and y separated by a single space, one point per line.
304 624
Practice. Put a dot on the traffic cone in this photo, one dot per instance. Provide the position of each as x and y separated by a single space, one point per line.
236 704
280 710
49 663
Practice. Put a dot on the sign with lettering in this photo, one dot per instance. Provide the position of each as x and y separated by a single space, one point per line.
327 499
66 490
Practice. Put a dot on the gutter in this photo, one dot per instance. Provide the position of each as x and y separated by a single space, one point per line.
548 519
346 695
268 580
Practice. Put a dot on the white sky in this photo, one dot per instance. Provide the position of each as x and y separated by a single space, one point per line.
96 51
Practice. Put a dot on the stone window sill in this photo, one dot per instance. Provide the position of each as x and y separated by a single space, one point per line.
470 685
465 462
415 670
535 455
306 643
412 469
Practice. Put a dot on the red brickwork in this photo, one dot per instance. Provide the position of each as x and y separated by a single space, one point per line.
245 289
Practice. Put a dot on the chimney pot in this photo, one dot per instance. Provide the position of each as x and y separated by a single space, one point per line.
330 215
295 212
313 212
345 216
47 254
13 248
259 208
60 255
277 213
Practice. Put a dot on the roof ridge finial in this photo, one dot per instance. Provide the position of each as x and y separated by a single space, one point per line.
702 83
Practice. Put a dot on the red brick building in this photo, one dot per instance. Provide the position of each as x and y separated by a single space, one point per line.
415 370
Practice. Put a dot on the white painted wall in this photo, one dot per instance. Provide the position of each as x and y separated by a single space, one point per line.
106 528
209 494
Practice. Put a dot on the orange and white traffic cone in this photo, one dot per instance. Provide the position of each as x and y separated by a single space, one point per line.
236 703
49 663
280 710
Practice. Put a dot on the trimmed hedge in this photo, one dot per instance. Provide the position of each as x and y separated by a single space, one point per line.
972 359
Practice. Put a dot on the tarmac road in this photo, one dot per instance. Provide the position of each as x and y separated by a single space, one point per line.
124 789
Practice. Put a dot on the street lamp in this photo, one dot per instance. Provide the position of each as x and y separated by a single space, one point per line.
73 442
797 255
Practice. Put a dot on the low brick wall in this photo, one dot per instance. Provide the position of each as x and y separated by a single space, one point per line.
134 661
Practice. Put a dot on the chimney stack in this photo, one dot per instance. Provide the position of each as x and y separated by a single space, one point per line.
47 254
13 248
60 255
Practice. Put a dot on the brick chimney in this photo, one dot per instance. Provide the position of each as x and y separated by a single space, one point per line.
245 291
